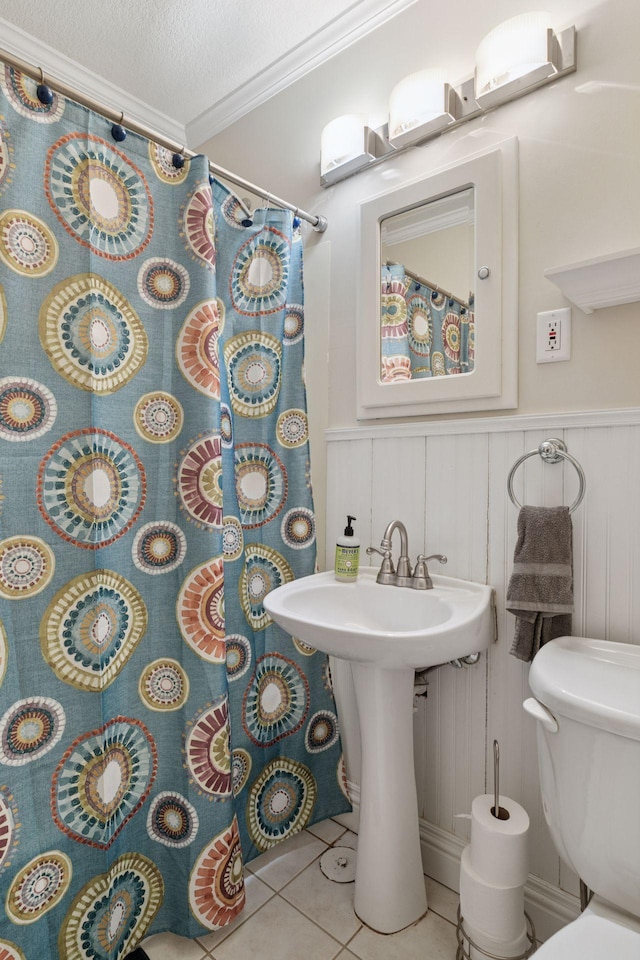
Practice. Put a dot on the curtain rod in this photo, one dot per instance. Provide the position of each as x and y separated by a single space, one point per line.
427 283
318 222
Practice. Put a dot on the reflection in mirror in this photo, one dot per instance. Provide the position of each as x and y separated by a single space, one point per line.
427 296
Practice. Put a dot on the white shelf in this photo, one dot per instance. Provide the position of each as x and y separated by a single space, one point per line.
601 282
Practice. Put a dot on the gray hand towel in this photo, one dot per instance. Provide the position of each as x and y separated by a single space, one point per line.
540 591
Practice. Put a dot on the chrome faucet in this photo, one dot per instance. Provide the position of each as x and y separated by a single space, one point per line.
419 579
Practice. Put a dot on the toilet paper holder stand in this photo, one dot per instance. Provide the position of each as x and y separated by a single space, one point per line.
465 943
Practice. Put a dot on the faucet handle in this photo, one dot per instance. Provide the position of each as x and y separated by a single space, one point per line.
421 578
387 572
434 556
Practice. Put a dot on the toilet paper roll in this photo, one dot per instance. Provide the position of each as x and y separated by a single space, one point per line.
500 848
497 912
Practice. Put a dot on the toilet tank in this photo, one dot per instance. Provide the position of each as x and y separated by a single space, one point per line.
590 767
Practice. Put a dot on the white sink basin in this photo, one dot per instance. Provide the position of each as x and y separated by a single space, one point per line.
393 627
387 633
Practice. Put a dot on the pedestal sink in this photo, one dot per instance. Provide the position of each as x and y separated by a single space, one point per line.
387 633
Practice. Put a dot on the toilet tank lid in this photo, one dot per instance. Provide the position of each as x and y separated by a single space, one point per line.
596 682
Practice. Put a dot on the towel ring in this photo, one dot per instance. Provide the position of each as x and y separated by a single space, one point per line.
551 451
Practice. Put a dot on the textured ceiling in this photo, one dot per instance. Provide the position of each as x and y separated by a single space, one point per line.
179 57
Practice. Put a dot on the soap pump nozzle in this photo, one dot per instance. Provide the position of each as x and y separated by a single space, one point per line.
348 530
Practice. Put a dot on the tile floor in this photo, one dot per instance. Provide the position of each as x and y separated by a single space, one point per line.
293 911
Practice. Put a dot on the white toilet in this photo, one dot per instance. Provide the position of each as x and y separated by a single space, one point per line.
587 704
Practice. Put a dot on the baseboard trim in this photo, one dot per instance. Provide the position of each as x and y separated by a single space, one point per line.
549 907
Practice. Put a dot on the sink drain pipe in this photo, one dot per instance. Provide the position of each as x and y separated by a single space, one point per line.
421 681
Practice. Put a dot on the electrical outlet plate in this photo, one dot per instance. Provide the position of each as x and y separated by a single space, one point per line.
553 335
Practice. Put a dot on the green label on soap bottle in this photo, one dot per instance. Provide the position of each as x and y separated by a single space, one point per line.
347 561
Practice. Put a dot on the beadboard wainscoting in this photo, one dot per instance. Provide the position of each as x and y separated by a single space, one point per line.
447 481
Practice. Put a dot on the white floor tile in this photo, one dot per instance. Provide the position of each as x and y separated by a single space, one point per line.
432 938
442 900
327 903
257 894
349 839
167 946
349 820
277 932
327 830
278 866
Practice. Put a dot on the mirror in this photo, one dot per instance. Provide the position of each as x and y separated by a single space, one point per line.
437 314
426 289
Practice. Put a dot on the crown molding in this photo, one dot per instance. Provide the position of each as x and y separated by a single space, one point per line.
57 66
361 19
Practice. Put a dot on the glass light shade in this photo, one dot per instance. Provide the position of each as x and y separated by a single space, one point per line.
342 140
416 100
513 49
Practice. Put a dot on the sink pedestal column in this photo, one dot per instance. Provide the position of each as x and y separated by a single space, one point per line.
389 889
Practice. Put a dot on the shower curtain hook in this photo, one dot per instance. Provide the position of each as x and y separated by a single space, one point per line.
44 91
118 131
178 159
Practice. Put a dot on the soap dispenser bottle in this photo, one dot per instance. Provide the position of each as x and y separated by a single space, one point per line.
347 555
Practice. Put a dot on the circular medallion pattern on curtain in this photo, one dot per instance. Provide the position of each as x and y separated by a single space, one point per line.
293 324
197 347
198 227
292 429
91 487
321 732
298 528
216 885
239 656
99 196
28 409
91 334
172 820
26 567
260 273
420 325
158 417
163 166
9 951
276 701
264 570
38 887
163 283
240 769
200 610
30 728
27 245
199 481
253 361
207 750
261 483
159 547
91 628
232 538
113 911
281 801
164 685
102 780
20 90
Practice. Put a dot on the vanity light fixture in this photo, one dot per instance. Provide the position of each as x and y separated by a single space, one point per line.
519 55
420 105
515 58
347 145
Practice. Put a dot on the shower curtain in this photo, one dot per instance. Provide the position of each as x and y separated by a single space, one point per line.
423 332
156 728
